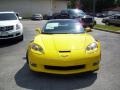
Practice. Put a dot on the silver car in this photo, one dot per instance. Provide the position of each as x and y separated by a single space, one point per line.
37 17
112 20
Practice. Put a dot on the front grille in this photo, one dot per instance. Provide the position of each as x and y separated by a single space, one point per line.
6 36
65 68
6 28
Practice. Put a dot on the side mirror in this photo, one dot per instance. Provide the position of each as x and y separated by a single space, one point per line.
19 18
88 29
38 30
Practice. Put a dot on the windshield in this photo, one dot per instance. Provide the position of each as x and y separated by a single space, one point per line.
63 27
7 16
77 13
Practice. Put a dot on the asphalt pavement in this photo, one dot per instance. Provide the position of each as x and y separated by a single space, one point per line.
15 75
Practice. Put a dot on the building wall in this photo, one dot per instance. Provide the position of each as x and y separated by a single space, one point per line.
59 5
28 7
41 6
21 6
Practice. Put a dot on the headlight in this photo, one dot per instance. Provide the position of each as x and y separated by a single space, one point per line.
36 47
17 26
92 46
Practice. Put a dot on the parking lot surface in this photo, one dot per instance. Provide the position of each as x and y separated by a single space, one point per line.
15 75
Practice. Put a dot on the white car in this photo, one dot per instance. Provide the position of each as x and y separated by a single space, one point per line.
10 26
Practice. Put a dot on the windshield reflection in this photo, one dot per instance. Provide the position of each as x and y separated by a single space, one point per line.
63 27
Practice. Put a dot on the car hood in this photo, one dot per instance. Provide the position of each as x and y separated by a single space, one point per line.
61 42
9 22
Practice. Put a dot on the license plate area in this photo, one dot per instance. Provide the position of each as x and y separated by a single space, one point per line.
4 33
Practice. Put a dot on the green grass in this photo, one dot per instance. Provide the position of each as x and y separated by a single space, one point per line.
106 27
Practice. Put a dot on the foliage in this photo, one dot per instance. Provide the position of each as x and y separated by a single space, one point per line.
104 4
87 5
100 5
107 28
71 4
118 2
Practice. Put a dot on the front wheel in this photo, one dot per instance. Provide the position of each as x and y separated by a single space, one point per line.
20 38
107 23
27 57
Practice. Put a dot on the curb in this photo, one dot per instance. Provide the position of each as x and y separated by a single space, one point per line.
107 30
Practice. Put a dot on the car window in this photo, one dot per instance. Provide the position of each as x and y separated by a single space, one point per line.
64 12
112 17
8 16
61 27
118 17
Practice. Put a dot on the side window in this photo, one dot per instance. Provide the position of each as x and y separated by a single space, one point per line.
112 17
63 12
69 12
118 17
115 17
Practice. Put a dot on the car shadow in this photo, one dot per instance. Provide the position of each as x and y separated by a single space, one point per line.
7 43
41 81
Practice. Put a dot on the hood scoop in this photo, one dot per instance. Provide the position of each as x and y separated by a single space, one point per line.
65 51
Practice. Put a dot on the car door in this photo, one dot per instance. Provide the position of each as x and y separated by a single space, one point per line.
118 20
112 20
115 20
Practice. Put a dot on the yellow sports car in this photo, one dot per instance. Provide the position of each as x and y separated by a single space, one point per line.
63 47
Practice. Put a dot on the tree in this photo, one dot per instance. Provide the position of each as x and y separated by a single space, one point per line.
104 4
101 5
118 2
87 5
71 4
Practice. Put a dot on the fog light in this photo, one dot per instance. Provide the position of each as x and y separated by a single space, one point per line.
34 65
95 63
17 34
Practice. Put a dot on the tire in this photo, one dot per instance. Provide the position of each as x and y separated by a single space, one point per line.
27 57
94 23
21 38
107 23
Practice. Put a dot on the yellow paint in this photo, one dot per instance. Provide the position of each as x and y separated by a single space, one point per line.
75 53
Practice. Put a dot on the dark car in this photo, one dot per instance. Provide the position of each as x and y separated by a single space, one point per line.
56 16
86 20
101 15
110 13
112 20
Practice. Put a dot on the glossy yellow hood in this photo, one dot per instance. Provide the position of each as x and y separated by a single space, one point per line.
61 42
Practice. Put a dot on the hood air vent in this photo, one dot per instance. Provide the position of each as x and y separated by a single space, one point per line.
65 51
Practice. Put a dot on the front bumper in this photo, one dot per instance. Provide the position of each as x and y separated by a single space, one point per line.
64 65
91 25
11 34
